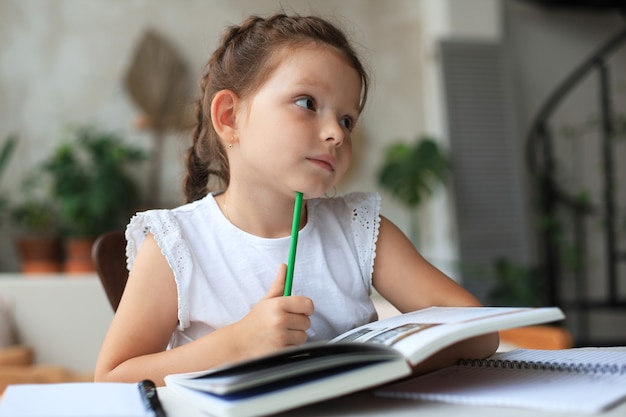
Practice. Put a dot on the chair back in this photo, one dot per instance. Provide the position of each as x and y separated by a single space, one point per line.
109 258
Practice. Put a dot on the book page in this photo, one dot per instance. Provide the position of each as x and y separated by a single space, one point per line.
421 333
393 329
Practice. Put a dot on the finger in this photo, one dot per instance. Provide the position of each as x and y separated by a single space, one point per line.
298 304
298 322
296 338
278 286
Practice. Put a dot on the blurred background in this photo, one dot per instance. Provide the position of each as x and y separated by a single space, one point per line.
521 102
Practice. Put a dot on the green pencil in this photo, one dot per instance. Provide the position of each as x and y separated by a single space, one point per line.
295 226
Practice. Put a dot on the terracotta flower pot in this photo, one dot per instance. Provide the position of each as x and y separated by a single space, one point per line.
78 256
40 254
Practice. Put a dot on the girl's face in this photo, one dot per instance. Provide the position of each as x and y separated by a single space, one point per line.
294 131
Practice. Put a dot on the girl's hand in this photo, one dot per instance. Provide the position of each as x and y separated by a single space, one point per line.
275 321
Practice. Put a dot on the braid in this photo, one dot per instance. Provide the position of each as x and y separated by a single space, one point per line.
202 155
242 63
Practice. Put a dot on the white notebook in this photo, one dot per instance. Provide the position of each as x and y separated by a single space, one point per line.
74 399
571 380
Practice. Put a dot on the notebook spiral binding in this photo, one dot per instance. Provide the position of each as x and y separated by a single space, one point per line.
587 368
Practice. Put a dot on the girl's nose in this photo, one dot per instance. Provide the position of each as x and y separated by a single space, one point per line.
333 132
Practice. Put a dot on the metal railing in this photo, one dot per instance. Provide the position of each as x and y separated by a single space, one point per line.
556 203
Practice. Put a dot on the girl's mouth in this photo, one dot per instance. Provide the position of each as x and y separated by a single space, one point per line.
322 163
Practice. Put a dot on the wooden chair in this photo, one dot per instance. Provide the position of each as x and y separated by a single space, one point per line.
109 258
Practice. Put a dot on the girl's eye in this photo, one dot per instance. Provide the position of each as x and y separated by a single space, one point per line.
347 122
306 102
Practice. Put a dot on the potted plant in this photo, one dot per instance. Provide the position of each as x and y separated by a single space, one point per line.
92 189
38 242
410 173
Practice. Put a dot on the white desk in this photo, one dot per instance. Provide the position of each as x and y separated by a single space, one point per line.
365 404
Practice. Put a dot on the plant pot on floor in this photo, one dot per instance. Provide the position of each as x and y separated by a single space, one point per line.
78 256
39 254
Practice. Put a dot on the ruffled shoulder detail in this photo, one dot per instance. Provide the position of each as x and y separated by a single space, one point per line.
162 224
365 222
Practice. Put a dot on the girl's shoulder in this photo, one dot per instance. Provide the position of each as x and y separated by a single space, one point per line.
166 225
166 215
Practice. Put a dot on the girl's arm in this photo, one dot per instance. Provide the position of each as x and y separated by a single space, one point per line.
135 345
409 282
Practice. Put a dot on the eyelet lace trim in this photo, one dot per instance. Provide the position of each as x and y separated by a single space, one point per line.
365 226
164 227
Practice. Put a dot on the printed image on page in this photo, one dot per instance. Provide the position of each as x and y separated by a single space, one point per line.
393 330
388 335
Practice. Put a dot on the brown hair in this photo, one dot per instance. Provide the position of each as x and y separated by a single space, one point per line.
241 64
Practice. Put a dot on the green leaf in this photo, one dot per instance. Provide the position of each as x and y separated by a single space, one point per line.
411 173
6 152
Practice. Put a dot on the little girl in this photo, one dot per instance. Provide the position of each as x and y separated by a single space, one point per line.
279 100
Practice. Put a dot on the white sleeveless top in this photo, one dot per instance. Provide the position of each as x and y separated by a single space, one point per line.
221 271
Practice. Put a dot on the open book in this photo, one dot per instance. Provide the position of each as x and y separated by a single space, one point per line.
370 355
571 380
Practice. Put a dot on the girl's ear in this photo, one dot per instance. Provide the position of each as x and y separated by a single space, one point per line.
223 113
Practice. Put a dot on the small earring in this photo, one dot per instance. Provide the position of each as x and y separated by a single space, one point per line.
232 140
230 146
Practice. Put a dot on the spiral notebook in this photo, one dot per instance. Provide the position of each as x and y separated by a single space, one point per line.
571 380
